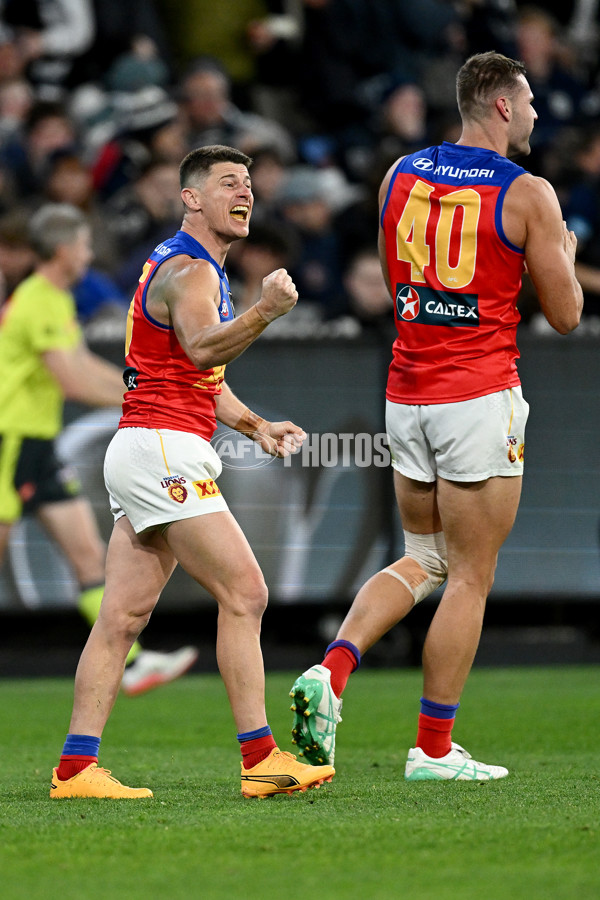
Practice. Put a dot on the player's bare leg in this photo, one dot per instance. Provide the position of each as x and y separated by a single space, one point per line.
383 601
5 528
213 549
71 523
137 569
215 552
477 518
379 605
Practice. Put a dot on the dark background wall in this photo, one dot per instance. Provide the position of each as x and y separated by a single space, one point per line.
319 530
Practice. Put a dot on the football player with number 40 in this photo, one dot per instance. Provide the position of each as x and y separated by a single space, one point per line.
459 223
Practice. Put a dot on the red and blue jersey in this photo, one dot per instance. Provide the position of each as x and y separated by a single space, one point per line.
454 274
166 390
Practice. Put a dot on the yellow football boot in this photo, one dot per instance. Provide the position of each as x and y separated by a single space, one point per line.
94 781
281 773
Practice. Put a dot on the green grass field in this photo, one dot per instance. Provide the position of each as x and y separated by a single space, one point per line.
368 834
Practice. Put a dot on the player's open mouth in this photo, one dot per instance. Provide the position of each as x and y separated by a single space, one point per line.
240 213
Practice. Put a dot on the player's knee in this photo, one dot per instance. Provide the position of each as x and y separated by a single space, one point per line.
124 621
136 624
424 567
476 580
248 597
258 595
490 581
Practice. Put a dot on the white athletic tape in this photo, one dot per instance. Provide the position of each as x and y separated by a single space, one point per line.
424 566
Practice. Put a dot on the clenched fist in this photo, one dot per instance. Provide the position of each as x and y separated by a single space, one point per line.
278 295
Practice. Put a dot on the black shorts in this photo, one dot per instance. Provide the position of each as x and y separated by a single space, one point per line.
31 475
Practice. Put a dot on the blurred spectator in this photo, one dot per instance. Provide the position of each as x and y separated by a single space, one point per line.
139 67
143 129
349 46
583 24
559 95
17 259
487 24
212 118
306 206
582 215
357 224
403 118
69 180
268 175
397 126
129 50
8 193
579 25
50 35
283 23
12 64
101 306
275 41
47 129
267 247
368 298
140 215
99 301
16 100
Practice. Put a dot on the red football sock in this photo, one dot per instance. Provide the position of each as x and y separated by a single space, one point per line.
256 750
341 662
71 765
434 735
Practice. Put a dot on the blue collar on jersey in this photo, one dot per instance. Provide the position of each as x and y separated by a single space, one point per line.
184 243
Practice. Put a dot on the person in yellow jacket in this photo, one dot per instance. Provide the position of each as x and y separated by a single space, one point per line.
43 361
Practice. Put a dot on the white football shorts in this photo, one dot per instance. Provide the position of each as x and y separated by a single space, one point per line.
159 476
466 441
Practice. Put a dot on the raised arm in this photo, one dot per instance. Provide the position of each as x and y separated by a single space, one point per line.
533 216
188 294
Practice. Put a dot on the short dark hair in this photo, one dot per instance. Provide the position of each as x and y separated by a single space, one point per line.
482 78
199 162
55 224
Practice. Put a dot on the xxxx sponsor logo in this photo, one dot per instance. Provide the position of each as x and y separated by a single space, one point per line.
207 488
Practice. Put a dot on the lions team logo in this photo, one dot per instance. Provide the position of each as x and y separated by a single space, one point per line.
177 492
408 303
511 443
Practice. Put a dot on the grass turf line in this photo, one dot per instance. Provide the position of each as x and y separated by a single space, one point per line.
368 834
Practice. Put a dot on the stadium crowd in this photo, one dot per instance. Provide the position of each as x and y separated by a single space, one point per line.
100 101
